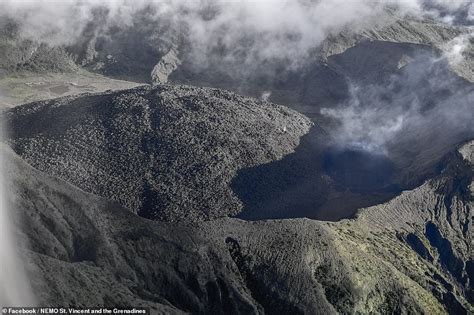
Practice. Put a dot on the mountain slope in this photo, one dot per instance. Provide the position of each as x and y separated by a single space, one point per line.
408 255
87 251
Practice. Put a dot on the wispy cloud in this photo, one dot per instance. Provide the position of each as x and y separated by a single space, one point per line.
423 98
242 30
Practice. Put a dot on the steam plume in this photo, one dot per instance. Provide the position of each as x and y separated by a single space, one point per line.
423 97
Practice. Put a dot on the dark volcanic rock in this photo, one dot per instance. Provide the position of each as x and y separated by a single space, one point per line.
167 153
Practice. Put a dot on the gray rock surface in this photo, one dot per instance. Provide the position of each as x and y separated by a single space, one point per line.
165 67
167 153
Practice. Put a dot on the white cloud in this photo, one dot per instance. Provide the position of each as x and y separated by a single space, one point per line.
265 29
423 97
457 47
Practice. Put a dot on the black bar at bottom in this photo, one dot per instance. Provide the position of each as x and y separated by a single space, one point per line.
76 310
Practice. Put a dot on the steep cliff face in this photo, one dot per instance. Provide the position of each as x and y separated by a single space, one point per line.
412 254
165 67
167 153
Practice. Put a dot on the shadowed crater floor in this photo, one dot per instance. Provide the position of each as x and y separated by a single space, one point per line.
312 179
359 170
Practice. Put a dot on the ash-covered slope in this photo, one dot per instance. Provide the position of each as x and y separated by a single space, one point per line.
167 153
411 255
